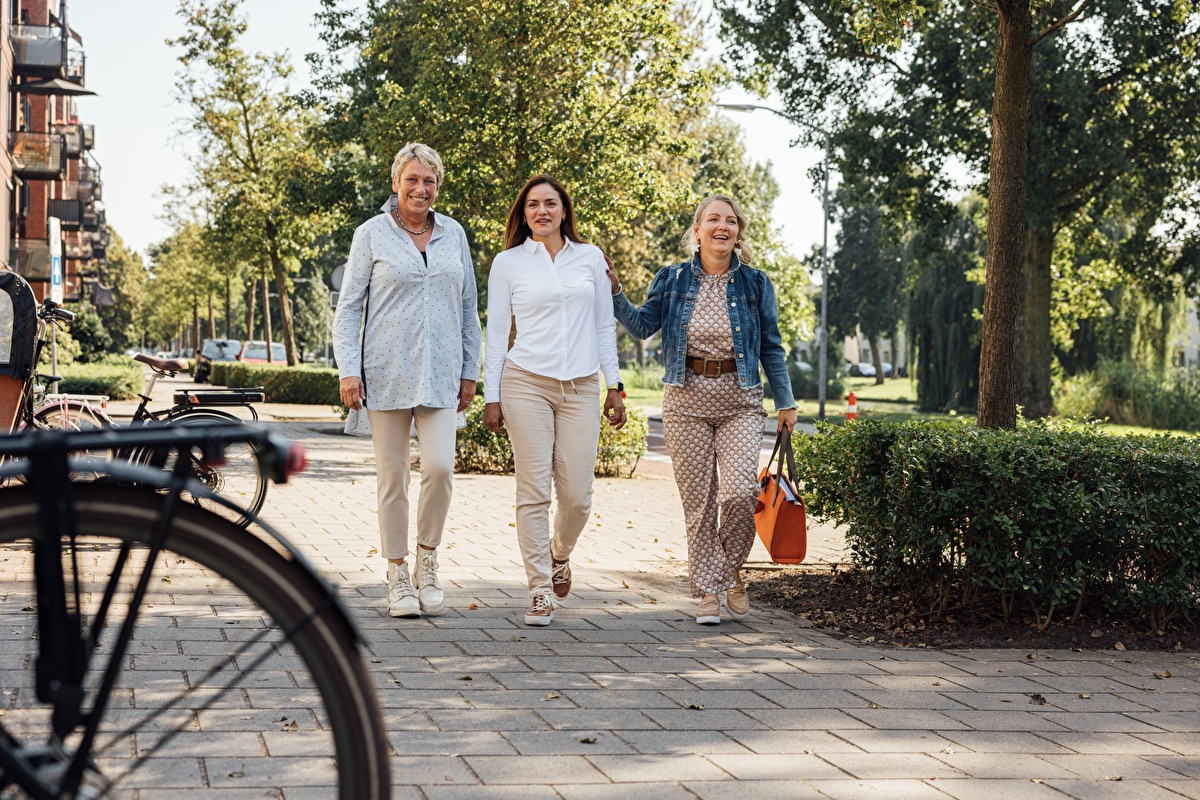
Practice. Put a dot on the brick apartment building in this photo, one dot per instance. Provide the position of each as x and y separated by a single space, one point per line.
47 167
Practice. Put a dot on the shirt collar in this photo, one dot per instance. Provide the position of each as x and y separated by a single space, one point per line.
531 245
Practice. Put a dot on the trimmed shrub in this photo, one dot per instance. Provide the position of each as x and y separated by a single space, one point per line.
281 384
481 451
1047 517
120 381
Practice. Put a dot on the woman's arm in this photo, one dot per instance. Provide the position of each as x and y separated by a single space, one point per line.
472 335
643 322
348 322
771 353
606 325
499 325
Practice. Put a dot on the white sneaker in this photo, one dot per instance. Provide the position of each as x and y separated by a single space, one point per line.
541 610
402 599
429 586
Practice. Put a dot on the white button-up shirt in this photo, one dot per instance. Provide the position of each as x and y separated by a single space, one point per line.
564 312
421 335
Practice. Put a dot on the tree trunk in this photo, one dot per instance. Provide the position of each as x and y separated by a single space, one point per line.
212 317
285 305
195 331
876 358
1033 327
250 295
267 315
228 306
1006 216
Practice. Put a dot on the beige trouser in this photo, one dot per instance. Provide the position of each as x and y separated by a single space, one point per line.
554 427
390 432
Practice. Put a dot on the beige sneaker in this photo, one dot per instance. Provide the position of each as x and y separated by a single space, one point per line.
401 597
736 600
709 610
427 583
541 610
560 577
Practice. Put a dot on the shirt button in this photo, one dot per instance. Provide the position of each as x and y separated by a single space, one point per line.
738 328
733 305
739 355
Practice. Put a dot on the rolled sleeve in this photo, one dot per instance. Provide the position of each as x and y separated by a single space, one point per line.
472 333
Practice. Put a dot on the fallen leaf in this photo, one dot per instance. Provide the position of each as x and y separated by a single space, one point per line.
1084 696
552 696
465 678
696 707
874 705
1037 700
1113 778
473 606
588 740
1162 675
626 585
668 649
1097 633
1119 646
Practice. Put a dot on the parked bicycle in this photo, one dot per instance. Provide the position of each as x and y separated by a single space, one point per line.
240 478
139 625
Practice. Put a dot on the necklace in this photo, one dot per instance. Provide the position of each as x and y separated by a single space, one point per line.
400 222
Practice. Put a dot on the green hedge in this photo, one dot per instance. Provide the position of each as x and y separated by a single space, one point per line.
281 384
120 381
480 450
1123 393
1039 519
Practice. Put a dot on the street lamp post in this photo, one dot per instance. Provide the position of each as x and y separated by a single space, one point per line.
822 331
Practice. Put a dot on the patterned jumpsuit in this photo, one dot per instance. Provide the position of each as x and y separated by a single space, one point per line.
713 428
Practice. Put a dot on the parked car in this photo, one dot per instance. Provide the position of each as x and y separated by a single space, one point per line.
254 351
214 350
861 369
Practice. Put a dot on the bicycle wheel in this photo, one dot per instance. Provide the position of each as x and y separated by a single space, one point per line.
76 415
240 479
240 675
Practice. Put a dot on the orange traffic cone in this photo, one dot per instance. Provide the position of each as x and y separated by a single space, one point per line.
852 408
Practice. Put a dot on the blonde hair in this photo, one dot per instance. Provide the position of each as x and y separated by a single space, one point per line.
741 247
423 154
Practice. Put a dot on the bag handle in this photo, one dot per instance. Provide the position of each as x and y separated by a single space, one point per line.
783 448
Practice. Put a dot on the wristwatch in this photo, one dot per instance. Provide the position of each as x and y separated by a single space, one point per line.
620 387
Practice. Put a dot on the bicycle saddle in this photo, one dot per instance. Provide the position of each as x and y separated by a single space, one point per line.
163 364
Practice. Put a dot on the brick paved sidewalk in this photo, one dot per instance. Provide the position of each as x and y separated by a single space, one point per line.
625 697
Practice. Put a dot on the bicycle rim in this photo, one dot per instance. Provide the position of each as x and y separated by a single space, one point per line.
69 415
282 710
240 479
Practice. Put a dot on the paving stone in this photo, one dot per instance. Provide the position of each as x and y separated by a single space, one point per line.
898 741
625 791
1001 789
657 768
890 766
585 743
1106 743
775 766
866 790
697 742
1013 766
1112 790
425 743
1110 766
533 770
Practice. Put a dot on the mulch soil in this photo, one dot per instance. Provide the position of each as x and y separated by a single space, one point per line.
841 602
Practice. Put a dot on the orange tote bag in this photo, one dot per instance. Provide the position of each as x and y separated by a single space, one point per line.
779 512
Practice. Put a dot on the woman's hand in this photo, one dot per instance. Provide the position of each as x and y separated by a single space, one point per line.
493 417
353 392
610 271
787 419
614 409
466 393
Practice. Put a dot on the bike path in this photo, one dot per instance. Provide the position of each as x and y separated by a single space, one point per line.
623 696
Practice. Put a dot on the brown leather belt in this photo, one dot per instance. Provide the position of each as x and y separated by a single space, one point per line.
710 368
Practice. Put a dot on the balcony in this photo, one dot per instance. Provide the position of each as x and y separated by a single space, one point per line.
69 212
94 219
89 136
39 50
31 258
37 155
76 63
73 136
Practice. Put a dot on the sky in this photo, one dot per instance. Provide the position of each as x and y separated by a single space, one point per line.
140 145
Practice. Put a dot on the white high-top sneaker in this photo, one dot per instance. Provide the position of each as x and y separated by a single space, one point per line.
429 586
401 597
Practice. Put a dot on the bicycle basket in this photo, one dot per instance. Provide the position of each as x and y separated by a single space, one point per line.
18 326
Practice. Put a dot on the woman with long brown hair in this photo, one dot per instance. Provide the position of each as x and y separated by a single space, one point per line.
545 390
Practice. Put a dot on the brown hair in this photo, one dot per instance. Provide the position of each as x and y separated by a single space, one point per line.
740 246
517 231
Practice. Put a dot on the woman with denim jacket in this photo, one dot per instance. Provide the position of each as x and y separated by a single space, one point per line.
719 324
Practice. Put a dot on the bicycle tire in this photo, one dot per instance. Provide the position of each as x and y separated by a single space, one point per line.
237 577
241 479
76 415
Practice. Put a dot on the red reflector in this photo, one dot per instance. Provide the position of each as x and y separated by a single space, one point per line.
297 459
193 399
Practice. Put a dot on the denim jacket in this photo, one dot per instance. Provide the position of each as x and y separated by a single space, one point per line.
752 315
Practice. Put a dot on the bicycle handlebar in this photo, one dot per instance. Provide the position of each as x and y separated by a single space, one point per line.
280 457
52 311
